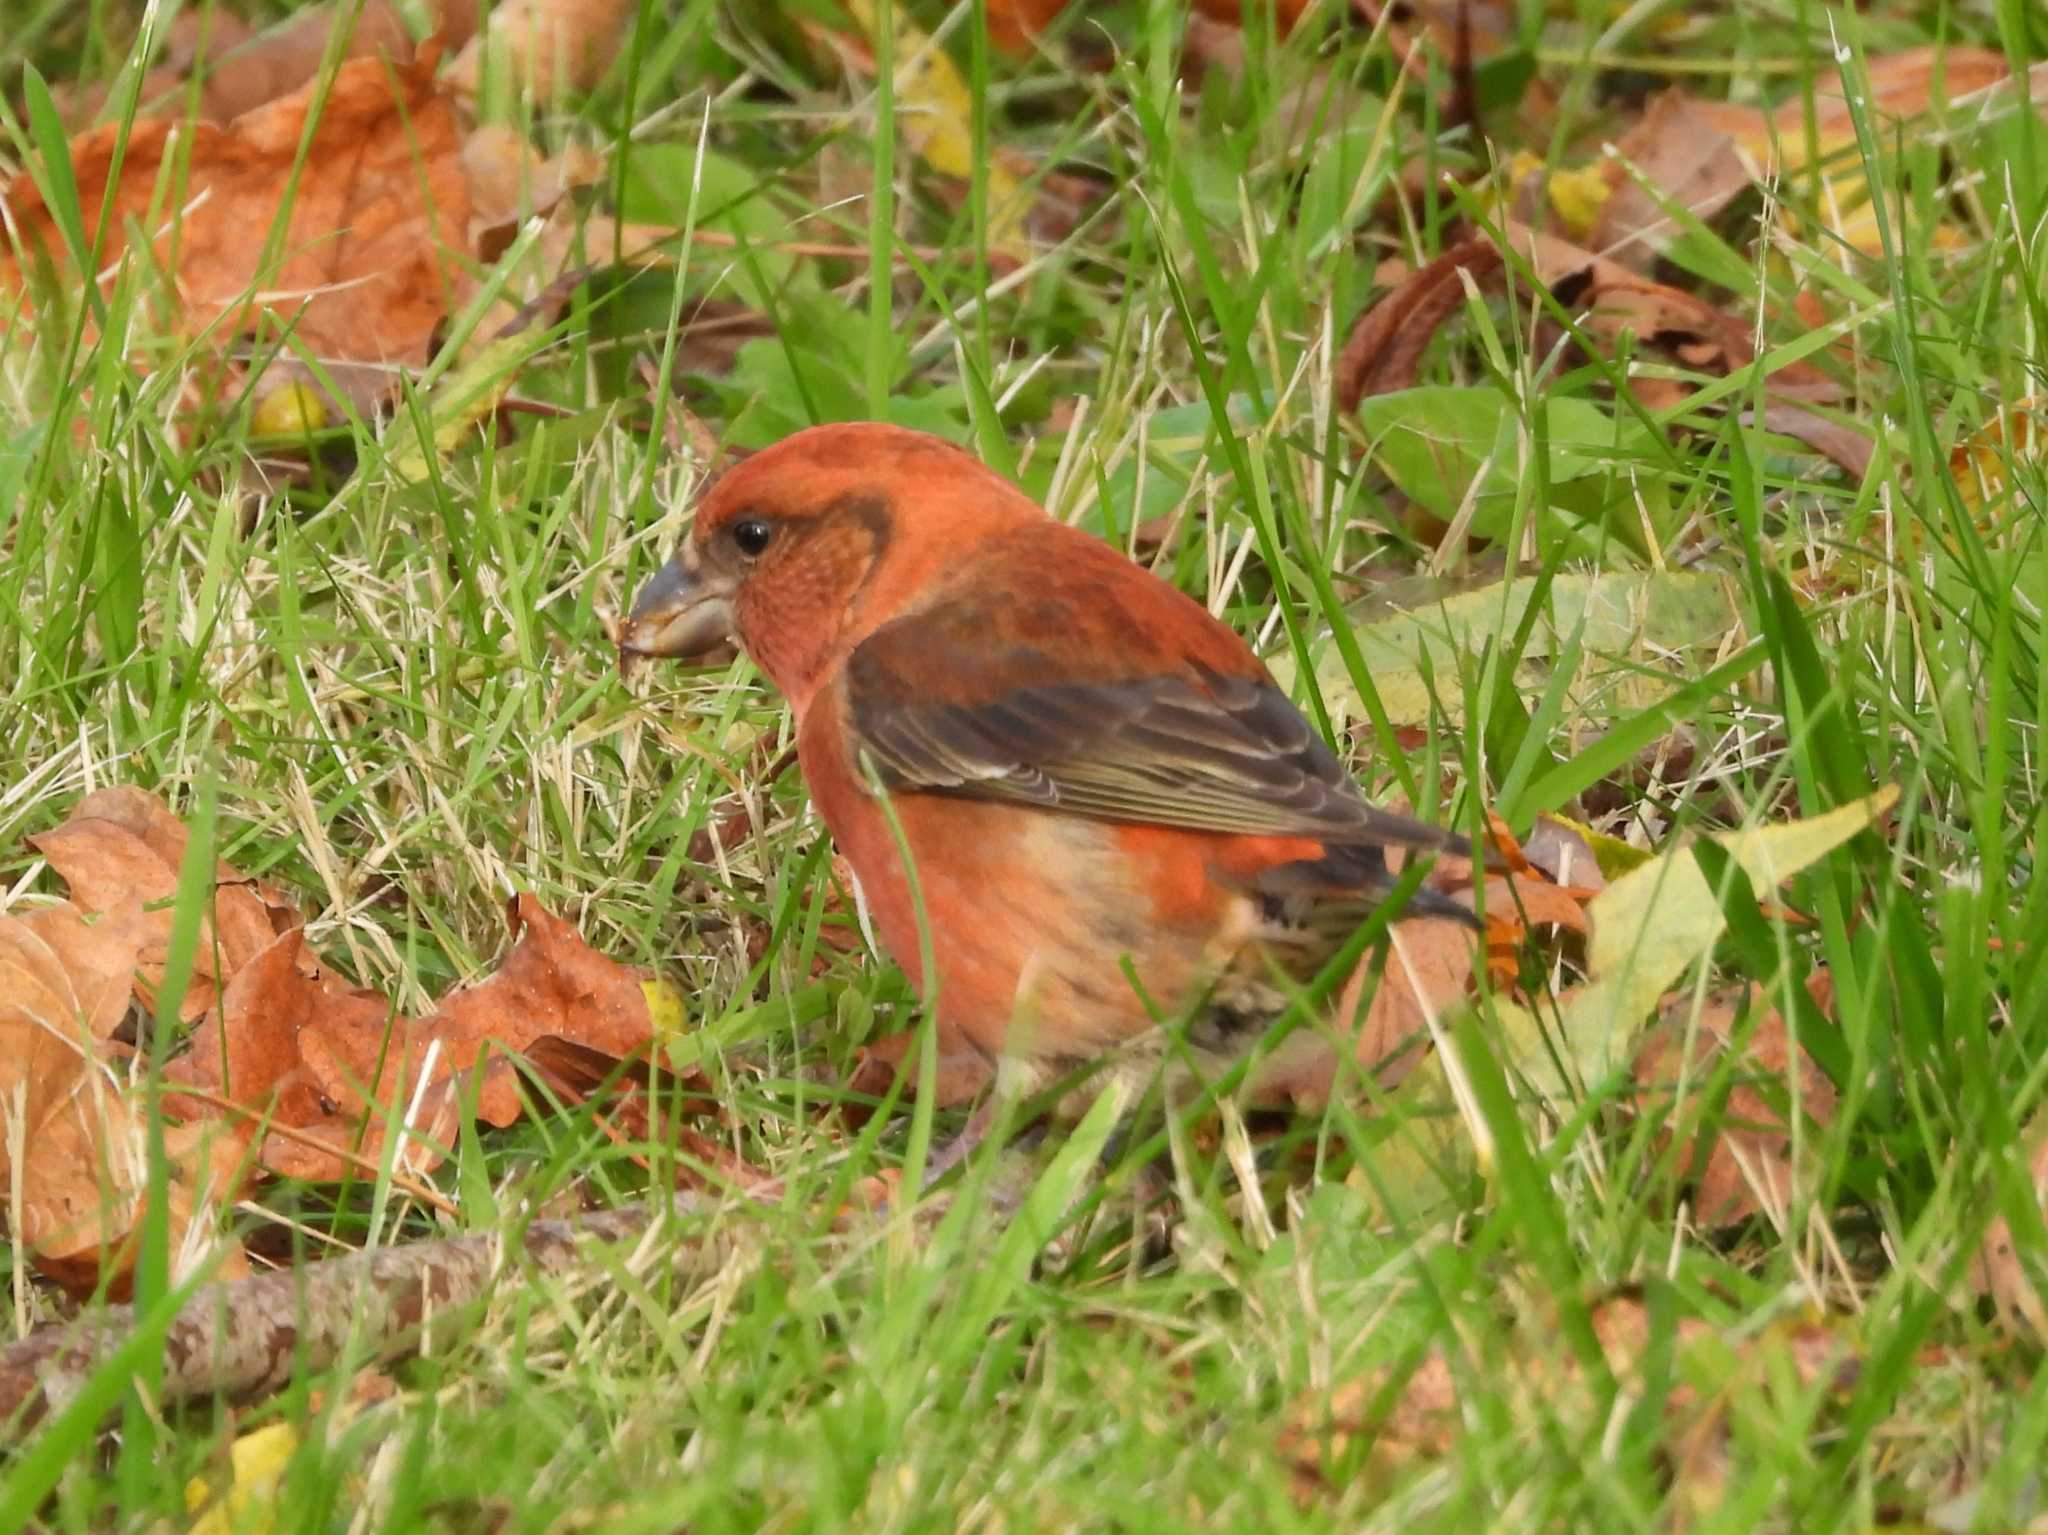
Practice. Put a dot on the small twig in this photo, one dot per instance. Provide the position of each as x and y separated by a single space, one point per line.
248 1336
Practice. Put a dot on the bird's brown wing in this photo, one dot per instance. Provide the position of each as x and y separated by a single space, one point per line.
995 695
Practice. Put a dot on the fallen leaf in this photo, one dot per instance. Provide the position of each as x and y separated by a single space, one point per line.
1615 306
551 983
193 43
1682 158
1983 464
1564 849
338 1068
963 1072
120 848
1401 1416
239 70
295 1043
545 47
68 1109
366 267
1740 1164
1903 85
376 247
1285 12
1698 155
1467 31
1650 926
934 114
631 1092
1013 24
257 1462
1998 1270
1834 440
330 1070
1385 348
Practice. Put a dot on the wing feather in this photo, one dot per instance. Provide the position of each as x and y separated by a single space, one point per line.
1187 746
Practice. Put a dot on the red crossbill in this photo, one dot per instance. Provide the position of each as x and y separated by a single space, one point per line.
1096 781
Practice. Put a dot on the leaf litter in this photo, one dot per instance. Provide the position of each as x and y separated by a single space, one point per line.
322 239
290 1071
1379 1423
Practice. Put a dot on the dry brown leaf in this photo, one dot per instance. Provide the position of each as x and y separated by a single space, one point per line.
632 1094
194 42
252 1052
508 183
1698 155
1012 24
338 1068
551 47
1459 34
1384 351
1404 1417
386 222
1429 966
1679 148
552 983
121 849
1615 307
67 1106
1983 463
1902 85
1231 12
366 269
1998 1270
1560 850
1833 440
1746 1168
239 70
331 1064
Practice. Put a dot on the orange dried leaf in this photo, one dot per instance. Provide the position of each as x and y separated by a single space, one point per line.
67 1105
552 983
121 849
1385 349
369 259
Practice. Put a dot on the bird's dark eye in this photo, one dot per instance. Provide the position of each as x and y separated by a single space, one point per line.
751 535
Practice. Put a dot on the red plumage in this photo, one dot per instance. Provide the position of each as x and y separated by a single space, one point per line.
1088 770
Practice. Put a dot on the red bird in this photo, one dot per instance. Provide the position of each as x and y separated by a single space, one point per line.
1096 781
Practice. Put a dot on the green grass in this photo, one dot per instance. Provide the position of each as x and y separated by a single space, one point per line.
394 696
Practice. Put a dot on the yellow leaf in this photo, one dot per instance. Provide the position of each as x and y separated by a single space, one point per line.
1982 463
935 114
293 410
258 1462
664 1007
464 397
1770 855
1578 196
1649 927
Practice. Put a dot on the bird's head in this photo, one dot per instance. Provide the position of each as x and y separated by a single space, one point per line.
805 548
